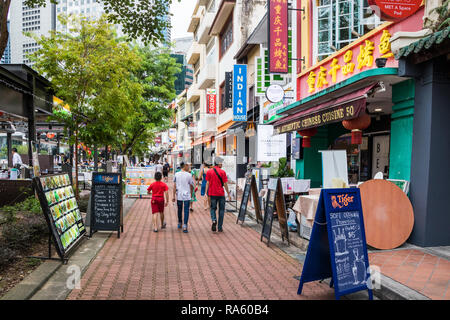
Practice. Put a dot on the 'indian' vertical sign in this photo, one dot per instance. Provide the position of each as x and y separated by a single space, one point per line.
240 92
278 36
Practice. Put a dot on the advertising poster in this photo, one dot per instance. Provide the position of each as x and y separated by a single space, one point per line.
229 166
270 147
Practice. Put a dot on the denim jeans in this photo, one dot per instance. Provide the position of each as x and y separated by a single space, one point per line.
186 211
214 201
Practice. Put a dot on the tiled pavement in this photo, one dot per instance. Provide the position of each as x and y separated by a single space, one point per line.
425 273
197 265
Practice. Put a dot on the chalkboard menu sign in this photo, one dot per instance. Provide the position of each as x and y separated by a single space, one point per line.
337 246
106 202
61 211
275 201
250 186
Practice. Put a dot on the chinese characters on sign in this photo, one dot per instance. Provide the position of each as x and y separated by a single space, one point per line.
211 101
278 36
358 58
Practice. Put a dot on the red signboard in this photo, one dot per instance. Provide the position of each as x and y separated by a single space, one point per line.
211 101
278 36
393 10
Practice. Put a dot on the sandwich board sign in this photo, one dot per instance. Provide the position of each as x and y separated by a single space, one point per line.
337 247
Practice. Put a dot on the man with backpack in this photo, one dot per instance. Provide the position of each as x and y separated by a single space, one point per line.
216 181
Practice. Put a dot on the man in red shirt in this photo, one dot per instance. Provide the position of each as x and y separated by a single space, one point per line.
216 181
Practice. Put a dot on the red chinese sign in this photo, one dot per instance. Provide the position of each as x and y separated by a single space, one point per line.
278 36
392 10
211 101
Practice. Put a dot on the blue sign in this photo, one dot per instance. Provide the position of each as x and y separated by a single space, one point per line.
240 92
106 178
337 247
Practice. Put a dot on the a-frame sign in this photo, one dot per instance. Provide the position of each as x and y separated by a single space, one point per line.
337 247
250 186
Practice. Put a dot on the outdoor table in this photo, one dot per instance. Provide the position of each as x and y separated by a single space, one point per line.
306 206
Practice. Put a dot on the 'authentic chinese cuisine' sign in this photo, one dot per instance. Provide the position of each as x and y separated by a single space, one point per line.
357 57
392 10
278 36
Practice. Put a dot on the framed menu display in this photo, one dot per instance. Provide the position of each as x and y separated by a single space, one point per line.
61 212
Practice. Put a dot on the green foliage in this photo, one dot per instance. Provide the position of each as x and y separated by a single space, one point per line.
284 170
443 18
139 19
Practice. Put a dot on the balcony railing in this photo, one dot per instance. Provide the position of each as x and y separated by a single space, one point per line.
203 28
193 53
207 76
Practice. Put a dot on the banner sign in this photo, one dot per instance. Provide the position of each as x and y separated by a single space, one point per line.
211 101
393 10
228 90
278 36
173 135
337 247
240 92
229 166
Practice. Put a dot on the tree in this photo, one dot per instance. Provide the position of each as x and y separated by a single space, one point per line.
139 19
157 75
91 70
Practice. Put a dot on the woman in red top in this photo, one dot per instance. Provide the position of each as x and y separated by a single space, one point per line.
159 191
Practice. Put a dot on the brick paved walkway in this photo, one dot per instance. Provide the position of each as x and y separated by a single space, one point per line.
420 271
197 265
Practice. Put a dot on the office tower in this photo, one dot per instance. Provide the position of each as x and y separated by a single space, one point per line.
38 20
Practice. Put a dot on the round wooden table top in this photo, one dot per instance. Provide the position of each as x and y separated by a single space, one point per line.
388 214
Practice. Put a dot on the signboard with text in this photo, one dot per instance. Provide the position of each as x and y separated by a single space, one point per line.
211 101
337 247
228 90
240 92
392 10
278 36
355 58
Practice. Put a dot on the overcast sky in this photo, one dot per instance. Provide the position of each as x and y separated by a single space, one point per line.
182 12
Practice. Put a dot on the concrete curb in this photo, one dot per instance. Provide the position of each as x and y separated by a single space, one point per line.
390 289
33 282
48 281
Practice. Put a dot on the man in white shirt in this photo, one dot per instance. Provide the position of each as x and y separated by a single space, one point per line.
184 185
16 160
159 167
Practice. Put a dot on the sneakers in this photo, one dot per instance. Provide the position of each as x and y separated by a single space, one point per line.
220 230
179 226
185 228
213 227
163 226
156 230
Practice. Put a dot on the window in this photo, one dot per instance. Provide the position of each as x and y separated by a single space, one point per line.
340 22
212 6
226 37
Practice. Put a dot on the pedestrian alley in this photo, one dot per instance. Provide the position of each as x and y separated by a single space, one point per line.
172 265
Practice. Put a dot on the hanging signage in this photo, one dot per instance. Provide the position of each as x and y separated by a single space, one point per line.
355 58
275 93
278 36
240 92
228 90
270 147
173 135
393 10
211 101
337 247
106 204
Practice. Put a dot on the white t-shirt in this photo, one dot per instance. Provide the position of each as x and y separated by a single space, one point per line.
183 180
159 168
16 159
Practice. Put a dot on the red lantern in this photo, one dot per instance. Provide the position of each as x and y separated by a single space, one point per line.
356 126
306 136
50 135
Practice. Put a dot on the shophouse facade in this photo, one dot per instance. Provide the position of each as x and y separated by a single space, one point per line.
353 94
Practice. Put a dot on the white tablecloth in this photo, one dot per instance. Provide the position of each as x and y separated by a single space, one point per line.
306 206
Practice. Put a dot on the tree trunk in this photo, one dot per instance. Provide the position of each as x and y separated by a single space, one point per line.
77 195
4 34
